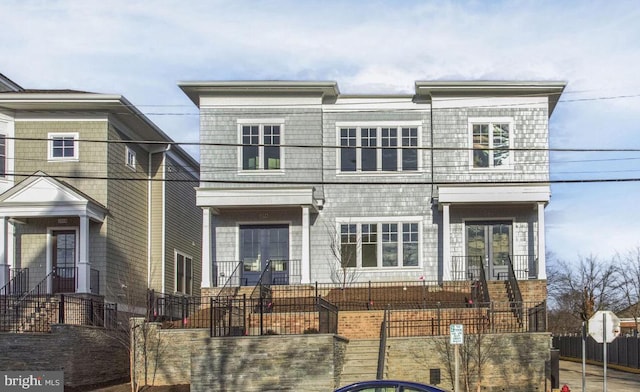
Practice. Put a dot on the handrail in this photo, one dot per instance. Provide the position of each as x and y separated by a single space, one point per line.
260 286
484 289
235 272
18 284
37 289
516 295
382 350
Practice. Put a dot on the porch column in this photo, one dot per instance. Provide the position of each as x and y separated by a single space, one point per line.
4 261
542 261
206 248
446 243
84 266
305 267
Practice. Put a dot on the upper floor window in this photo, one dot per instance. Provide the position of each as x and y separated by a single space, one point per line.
130 158
380 245
261 146
378 149
63 146
491 143
184 273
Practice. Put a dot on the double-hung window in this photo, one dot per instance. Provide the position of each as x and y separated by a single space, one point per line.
63 146
491 143
261 145
3 155
184 273
130 158
380 244
380 148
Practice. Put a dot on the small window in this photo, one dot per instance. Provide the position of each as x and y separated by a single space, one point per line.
131 158
261 147
184 274
490 142
63 146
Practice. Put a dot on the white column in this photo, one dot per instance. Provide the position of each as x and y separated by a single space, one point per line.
446 244
84 266
305 267
206 248
542 261
4 262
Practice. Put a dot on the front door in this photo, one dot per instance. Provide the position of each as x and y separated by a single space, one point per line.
63 244
489 244
260 244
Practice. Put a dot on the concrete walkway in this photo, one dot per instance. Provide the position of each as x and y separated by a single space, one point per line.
617 381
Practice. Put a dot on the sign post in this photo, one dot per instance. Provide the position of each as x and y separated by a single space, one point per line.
604 327
456 338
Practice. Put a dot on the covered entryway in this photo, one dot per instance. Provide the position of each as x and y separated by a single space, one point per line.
489 245
261 244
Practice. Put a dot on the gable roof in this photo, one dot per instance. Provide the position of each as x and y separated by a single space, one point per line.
42 195
7 84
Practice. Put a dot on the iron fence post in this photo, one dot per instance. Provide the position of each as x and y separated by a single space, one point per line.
61 309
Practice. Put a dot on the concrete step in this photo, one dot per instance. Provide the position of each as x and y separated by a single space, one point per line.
361 361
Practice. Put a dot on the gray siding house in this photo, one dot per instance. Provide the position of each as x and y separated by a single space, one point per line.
94 197
445 184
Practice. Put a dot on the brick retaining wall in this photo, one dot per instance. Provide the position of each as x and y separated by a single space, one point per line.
87 355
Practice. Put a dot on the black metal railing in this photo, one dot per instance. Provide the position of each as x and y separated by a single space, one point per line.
262 288
622 351
63 279
481 318
17 286
178 311
513 291
382 349
228 274
472 267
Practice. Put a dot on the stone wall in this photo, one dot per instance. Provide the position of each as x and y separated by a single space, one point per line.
87 355
267 363
511 362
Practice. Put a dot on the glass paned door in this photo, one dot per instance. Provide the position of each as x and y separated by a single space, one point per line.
258 245
488 246
63 244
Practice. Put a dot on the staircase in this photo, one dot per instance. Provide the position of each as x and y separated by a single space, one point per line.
361 361
503 315
30 314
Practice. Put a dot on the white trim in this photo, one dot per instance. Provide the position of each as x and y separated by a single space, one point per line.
7 181
228 101
448 102
260 121
76 149
379 124
163 241
379 104
127 153
31 117
264 197
494 194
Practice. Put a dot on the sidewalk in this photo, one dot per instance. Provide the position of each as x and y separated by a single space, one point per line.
571 374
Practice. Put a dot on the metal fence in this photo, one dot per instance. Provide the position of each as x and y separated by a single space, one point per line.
477 318
36 313
623 351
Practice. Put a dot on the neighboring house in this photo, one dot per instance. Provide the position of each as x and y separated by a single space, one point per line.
445 184
95 198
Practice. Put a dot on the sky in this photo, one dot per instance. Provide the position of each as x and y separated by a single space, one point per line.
142 49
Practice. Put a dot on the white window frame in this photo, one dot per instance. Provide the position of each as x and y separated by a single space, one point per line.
3 153
52 136
508 165
261 123
379 125
186 290
130 158
379 222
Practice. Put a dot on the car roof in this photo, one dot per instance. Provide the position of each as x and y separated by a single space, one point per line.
383 382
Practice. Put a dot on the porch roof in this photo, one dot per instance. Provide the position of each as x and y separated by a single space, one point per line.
41 195
479 194
256 197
